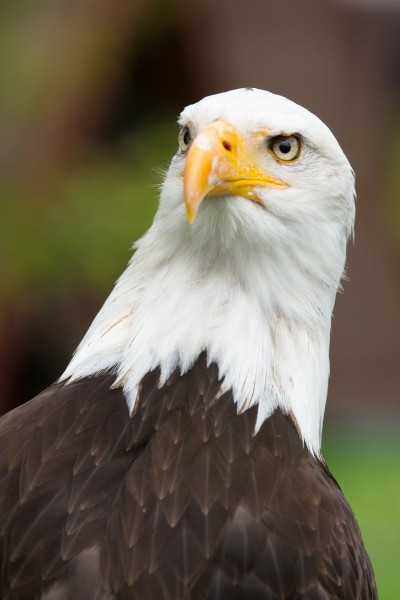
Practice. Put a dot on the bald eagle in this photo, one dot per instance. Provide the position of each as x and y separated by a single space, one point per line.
179 455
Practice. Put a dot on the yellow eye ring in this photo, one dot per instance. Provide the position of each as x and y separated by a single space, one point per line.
286 148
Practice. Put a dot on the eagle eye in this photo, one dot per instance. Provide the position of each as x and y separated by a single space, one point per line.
285 147
185 138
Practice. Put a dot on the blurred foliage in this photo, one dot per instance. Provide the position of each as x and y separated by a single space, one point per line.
393 211
367 468
80 226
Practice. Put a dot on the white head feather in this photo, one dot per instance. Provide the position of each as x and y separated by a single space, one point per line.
252 285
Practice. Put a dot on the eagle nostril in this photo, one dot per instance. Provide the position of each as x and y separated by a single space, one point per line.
227 146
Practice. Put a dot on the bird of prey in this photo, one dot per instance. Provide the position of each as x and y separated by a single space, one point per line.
179 455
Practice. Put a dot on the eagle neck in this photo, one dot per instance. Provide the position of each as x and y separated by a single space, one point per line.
169 306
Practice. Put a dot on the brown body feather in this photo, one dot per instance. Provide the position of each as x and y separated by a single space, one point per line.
178 501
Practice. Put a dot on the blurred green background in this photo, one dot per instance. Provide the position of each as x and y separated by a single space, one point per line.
90 92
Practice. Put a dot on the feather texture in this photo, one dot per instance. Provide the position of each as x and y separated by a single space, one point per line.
178 500
252 285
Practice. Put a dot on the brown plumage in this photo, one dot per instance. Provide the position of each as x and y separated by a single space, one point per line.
180 500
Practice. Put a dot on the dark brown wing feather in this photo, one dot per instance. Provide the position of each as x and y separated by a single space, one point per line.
179 501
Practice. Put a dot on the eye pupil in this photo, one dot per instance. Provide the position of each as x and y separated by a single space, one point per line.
285 146
184 138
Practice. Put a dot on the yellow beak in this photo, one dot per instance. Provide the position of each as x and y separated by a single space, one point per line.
220 163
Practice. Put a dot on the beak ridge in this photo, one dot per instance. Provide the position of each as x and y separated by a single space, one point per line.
218 163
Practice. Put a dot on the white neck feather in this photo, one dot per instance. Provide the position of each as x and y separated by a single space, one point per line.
261 309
